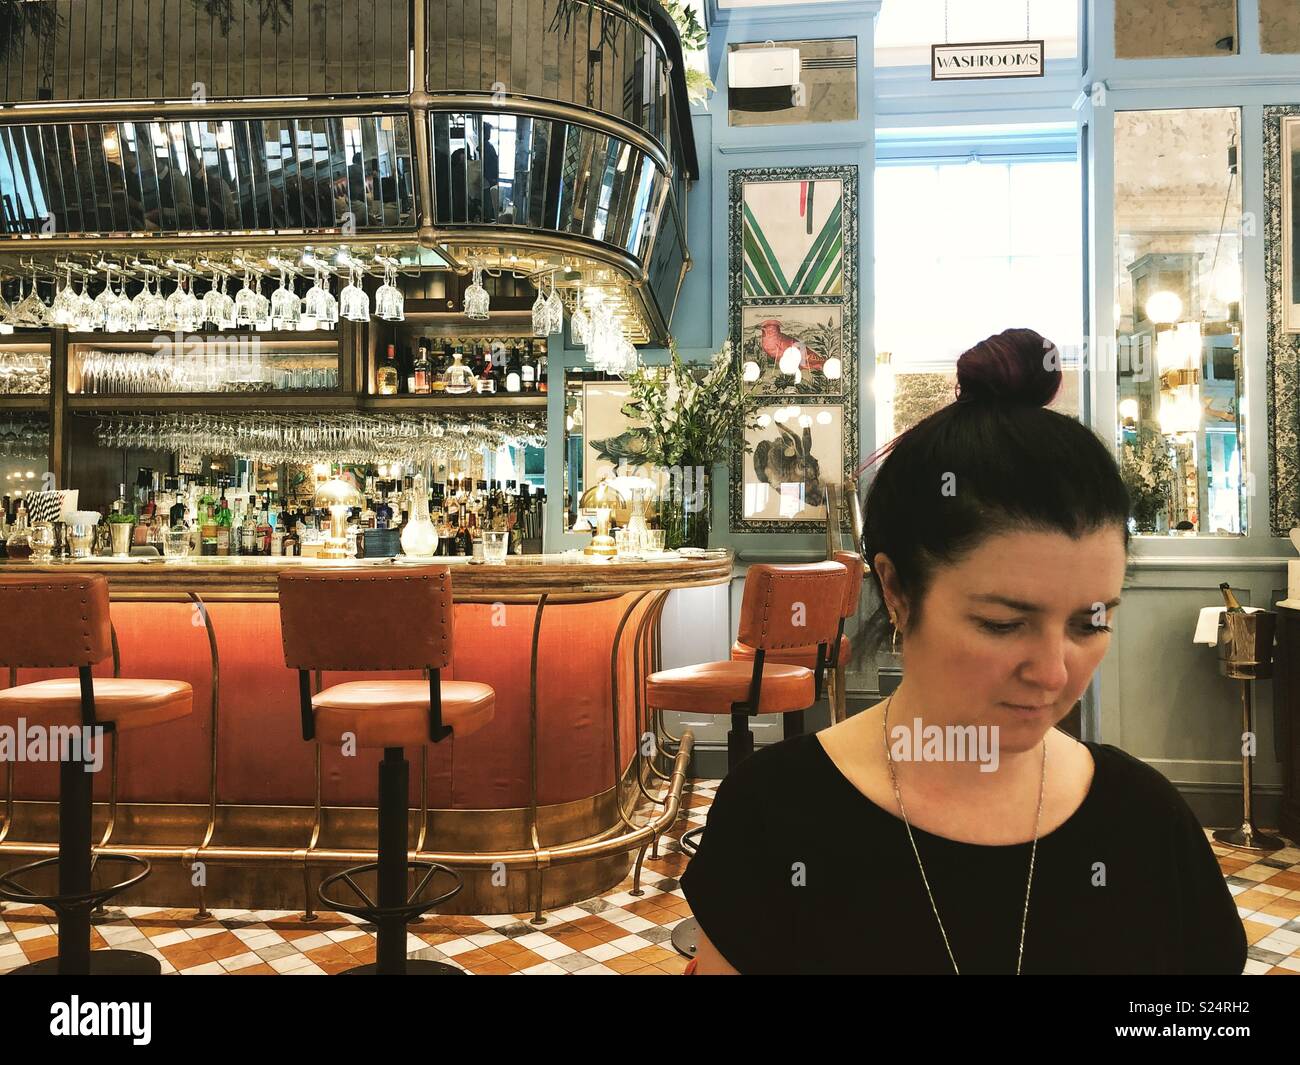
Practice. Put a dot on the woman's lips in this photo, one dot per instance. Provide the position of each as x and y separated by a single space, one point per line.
1029 709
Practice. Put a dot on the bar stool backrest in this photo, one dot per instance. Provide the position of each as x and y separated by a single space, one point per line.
791 605
857 569
364 619
54 621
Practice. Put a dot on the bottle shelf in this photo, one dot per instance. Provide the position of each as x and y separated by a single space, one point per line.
215 401
25 401
469 401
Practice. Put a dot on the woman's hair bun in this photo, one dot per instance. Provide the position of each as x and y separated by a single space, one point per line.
1016 366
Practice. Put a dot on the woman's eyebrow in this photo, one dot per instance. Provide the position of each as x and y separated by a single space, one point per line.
1033 608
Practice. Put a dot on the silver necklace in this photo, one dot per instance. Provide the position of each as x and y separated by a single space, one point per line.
1024 920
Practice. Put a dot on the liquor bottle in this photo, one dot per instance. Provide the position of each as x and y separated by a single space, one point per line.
292 544
422 374
119 504
277 536
459 378
541 373
487 383
248 538
386 374
264 532
514 372
1234 607
440 361
19 542
150 508
529 370
408 376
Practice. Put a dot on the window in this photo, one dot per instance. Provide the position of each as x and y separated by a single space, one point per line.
906 28
963 251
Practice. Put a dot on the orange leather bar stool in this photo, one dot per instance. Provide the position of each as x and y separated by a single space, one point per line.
784 608
840 650
62 622
327 620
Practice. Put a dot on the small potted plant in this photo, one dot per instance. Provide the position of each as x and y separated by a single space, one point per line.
120 526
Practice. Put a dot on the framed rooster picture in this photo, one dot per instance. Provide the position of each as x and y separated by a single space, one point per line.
793 452
798 348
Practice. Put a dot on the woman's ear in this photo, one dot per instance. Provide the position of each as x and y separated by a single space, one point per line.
895 602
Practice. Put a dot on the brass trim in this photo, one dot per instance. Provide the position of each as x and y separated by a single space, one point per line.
212 110
197 600
540 107
457 235
152 241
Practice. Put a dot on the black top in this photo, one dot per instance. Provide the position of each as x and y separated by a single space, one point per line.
799 872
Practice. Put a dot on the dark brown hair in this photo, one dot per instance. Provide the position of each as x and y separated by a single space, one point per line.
993 461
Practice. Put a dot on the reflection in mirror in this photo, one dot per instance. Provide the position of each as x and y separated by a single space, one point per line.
1178 278
604 450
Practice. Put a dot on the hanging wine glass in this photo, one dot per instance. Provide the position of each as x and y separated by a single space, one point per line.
541 317
104 300
148 310
86 308
171 316
246 307
554 310
285 306
190 311
320 302
213 304
580 321
64 309
263 321
477 301
6 312
354 304
226 319
121 316
388 297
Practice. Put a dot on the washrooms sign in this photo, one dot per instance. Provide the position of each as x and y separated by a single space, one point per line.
998 59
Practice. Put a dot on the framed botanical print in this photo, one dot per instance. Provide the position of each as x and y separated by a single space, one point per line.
793 237
793 452
798 348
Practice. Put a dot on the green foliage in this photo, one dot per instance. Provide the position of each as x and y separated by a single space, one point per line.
692 411
1148 474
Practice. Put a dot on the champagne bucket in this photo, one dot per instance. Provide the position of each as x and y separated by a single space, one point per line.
1245 644
121 532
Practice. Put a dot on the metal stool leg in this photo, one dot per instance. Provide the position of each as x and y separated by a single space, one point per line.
686 934
76 894
740 741
75 799
394 908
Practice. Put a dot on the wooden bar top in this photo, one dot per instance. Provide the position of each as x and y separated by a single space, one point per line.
521 578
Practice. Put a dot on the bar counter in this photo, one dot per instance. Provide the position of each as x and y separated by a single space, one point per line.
534 809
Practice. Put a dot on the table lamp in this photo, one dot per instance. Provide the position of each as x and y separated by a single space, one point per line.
338 495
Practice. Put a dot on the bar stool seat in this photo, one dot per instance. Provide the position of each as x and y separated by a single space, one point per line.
788 656
395 713
62 621
125 702
715 688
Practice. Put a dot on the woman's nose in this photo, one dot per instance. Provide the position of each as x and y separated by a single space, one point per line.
1046 666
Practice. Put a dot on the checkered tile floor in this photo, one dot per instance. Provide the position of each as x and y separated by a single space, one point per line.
617 933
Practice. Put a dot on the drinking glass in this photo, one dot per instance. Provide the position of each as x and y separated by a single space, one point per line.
176 542
246 304
354 304
495 544
388 298
541 316
654 541
554 310
320 302
64 308
285 305
213 303
42 541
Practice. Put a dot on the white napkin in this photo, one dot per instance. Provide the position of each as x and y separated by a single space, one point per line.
1207 625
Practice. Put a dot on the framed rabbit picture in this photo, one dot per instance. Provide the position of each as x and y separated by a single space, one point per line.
792 452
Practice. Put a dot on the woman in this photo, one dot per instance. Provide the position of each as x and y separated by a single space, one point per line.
952 828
